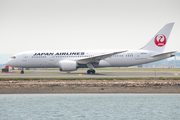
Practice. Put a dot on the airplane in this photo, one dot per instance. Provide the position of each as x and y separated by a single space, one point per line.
71 60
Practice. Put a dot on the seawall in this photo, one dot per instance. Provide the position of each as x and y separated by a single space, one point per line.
89 86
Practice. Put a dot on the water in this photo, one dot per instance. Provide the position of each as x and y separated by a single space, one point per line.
90 106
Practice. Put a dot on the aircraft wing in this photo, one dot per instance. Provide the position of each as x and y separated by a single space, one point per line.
156 55
99 57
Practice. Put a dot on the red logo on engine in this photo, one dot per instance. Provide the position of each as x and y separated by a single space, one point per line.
160 40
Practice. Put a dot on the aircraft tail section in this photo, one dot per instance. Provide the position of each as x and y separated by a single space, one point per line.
159 41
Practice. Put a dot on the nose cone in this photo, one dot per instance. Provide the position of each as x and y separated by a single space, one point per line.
12 63
9 62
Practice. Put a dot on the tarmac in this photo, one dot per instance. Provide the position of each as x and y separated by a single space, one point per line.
55 73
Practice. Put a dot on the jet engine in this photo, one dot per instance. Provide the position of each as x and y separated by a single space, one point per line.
67 65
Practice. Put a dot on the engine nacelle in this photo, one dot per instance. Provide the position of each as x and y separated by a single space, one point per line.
67 65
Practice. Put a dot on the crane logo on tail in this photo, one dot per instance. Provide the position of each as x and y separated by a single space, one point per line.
160 40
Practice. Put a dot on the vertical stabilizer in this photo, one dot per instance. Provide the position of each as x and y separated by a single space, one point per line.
159 41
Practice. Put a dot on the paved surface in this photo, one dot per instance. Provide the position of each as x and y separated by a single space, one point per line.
49 74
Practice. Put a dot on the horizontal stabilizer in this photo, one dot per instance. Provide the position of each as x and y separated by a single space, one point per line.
157 55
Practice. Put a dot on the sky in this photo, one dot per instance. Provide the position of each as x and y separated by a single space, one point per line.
4 58
85 24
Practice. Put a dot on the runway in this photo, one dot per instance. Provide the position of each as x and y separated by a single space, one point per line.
54 73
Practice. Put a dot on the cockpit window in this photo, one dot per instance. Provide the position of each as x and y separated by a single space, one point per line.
13 57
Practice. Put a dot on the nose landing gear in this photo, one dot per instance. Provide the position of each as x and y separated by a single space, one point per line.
91 71
22 71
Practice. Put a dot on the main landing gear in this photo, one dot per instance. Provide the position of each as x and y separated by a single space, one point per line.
91 72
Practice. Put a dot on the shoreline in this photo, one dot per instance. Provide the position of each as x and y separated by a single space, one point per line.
89 86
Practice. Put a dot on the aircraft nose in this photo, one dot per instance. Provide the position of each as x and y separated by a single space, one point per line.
9 63
12 61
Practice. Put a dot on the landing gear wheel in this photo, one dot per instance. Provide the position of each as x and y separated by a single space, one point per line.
88 72
91 72
22 72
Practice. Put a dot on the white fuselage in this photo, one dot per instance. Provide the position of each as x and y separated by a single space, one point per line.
51 58
69 60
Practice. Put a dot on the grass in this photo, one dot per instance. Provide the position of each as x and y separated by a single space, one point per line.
101 78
